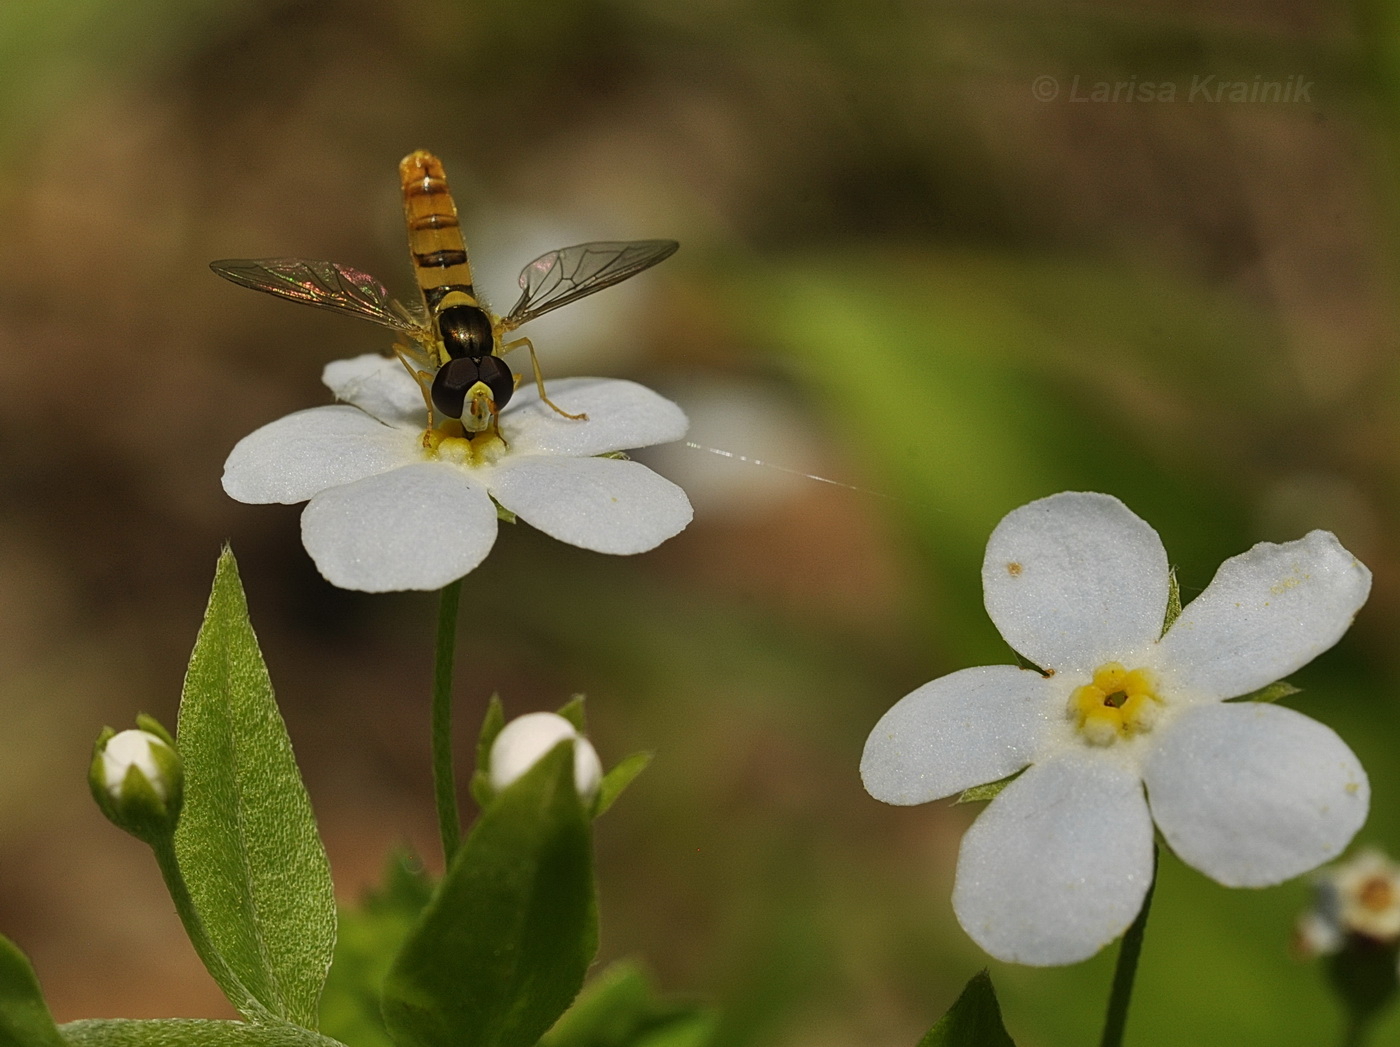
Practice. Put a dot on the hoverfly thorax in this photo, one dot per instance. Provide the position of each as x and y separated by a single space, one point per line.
465 331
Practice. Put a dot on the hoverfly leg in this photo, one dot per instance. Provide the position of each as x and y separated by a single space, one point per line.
424 380
539 378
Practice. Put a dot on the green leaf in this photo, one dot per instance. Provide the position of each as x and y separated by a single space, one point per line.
1272 693
503 946
371 933
989 791
619 1008
188 1032
974 1021
247 841
24 1016
618 779
1173 602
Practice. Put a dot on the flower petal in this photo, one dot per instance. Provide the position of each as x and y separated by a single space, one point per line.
604 504
1075 580
1057 866
295 457
417 527
969 728
380 386
1252 794
1267 613
621 415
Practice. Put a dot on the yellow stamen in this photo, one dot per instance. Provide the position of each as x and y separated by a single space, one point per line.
451 443
1120 702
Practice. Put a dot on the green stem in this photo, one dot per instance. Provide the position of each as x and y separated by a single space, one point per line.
444 781
1126 971
238 994
1355 1033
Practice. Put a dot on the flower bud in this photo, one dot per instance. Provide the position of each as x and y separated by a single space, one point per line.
526 739
138 780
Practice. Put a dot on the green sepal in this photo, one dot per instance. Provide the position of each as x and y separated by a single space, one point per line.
988 791
617 456
502 948
247 843
1272 693
491 725
25 1020
973 1021
1025 663
503 514
620 1008
572 710
188 1032
151 725
370 933
618 779
1173 602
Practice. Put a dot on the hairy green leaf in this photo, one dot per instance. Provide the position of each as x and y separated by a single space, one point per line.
974 1021
247 841
24 1016
188 1032
619 1008
504 944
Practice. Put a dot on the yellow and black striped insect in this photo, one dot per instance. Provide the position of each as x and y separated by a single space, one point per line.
452 342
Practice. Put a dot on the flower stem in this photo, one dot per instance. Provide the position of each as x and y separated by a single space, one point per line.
238 994
444 781
1121 994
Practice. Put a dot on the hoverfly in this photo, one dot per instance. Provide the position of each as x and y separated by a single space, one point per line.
451 344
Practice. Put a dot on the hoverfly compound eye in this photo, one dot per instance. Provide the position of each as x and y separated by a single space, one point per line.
498 378
466 331
451 383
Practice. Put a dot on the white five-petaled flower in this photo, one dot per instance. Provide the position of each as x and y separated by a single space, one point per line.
1128 726
388 512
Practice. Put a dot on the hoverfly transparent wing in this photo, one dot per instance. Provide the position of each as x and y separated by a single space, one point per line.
326 285
570 273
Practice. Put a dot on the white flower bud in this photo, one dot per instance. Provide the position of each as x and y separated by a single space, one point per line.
526 739
138 780
133 748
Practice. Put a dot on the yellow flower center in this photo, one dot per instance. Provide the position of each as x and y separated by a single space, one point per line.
1120 702
451 443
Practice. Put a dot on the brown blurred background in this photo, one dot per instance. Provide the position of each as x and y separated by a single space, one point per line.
905 266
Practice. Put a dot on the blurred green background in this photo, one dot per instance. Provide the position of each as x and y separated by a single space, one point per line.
904 267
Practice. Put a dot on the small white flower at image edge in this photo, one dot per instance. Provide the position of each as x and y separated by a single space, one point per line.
526 739
133 748
1356 898
1129 727
392 505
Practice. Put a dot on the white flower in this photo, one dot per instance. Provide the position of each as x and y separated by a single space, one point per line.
133 748
1249 793
526 739
1356 898
387 512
